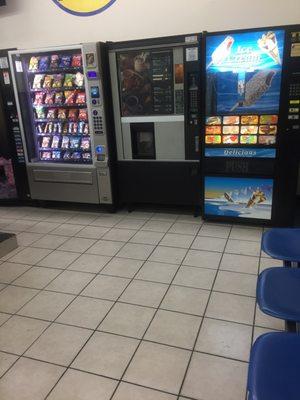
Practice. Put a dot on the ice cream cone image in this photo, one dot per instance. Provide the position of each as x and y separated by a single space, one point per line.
268 44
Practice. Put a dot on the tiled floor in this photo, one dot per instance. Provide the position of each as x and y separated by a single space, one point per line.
140 306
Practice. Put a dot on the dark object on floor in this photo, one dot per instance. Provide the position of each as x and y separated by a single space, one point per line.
8 243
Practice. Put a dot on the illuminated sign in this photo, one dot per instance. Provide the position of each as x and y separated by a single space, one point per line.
233 152
84 8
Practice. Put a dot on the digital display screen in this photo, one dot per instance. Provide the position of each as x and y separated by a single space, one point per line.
92 75
239 197
243 87
95 92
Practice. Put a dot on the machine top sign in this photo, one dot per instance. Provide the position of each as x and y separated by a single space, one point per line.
84 8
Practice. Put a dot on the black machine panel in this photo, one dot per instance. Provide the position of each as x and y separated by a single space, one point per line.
13 175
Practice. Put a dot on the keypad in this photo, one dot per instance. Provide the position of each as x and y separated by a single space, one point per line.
294 89
98 124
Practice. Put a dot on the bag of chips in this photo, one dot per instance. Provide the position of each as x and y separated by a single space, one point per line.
48 81
79 79
73 115
40 113
86 129
40 128
44 63
58 98
76 61
65 62
69 97
34 63
62 113
54 61
46 141
65 129
67 155
38 98
49 99
83 116
69 78
51 113
37 81
80 99
57 81
81 127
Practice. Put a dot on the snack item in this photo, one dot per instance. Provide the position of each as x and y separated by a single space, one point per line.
40 128
58 98
83 116
65 62
49 99
81 127
249 119
86 156
268 119
40 113
65 142
248 139
51 113
33 63
86 129
45 142
70 96
56 155
74 142
213 120
231 130
54 61
38 98
58 127
37 81
73 114
75 127
55 142
48 81
231 120
70 129
80 99
230 139
44 63
213 130
49 127
68 82
57 80
268 129
79 79
76 60
62 113
76 155
85 143
67 155
213 139
45 155
65 129
267 140
249 130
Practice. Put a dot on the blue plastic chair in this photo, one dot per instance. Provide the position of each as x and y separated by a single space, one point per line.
274 367
278 295
283 244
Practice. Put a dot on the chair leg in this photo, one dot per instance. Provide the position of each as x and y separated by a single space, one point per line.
290 326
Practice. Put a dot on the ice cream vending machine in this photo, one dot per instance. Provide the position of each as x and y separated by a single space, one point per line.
64 106
251 125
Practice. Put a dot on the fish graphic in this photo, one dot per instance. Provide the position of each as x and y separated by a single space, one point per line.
220 54
258 85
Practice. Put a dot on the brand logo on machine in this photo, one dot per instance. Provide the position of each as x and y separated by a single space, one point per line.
240 153
84 7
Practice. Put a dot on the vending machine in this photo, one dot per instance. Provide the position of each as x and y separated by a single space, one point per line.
13 176
63 101
156 100
251 127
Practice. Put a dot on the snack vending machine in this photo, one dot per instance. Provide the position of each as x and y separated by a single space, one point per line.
13 176
156 101
251 125
64 104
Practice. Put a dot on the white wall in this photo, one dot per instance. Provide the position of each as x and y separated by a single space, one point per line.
34 23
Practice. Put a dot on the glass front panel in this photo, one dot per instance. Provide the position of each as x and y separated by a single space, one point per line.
146 80
243 88
239 197
53 105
